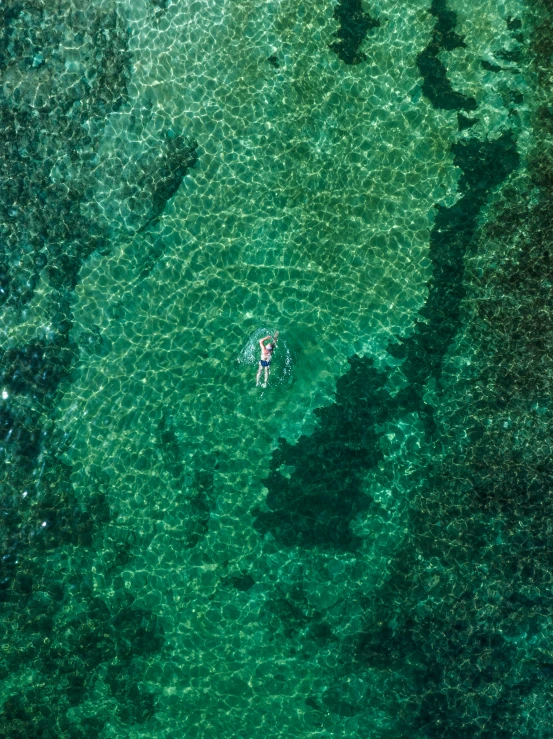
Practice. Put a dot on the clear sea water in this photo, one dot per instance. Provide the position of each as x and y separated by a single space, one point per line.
360 549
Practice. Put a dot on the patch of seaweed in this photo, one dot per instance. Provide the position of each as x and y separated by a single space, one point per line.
317 503
315 506
52 622
164 176
459 630
52 123
355 23
436 85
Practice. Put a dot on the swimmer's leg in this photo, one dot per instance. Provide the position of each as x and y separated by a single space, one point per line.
266 376
258 375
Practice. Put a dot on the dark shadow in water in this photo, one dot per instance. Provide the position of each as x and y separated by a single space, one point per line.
442 659
54 624
484 166
197 499
436 86
316 504
355 23
58 128
463 122
164 177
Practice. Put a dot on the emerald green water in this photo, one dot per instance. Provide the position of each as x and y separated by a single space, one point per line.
361 548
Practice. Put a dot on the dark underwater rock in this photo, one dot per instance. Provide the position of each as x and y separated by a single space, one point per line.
355 23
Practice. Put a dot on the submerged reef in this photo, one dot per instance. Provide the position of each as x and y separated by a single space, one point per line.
453 638
484 166
355 23
315 505
64 69
436 85
458 634
162 179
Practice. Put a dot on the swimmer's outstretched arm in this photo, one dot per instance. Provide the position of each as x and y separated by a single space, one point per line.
264 339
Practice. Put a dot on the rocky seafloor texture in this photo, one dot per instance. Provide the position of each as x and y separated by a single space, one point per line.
64 69
398 583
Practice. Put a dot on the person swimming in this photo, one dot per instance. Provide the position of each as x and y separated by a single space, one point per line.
266 356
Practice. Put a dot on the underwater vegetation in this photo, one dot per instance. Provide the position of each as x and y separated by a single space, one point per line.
164 179
436 86
54 627
459 632
355 24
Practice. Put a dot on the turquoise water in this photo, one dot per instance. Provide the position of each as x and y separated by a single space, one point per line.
360 549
